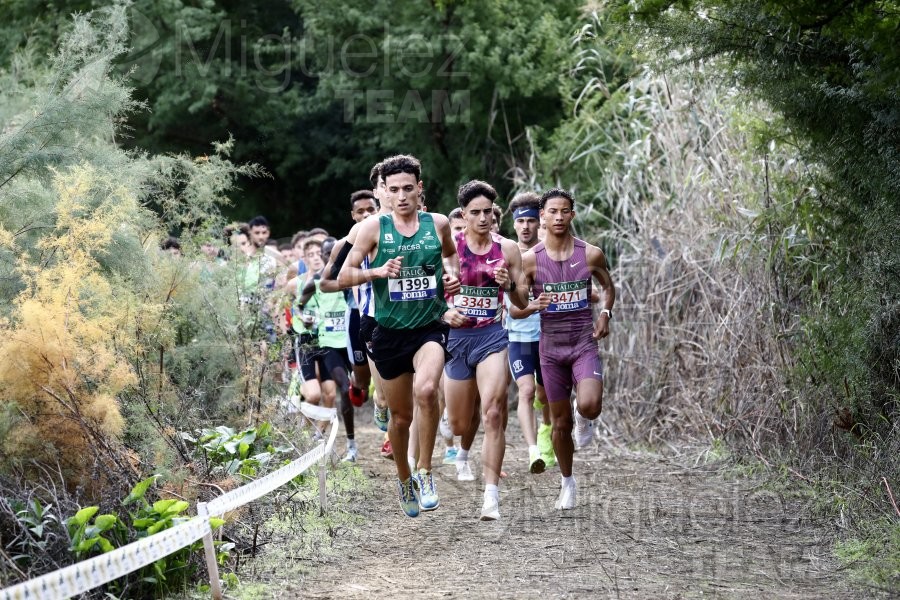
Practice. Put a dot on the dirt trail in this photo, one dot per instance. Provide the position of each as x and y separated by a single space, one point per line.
644 527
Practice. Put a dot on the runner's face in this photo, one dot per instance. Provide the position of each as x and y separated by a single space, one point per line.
313 258
403 193
298 249
479 215
362 209
557 215
457 225
209 249
381 193
259 235
526 229
242 243
495 222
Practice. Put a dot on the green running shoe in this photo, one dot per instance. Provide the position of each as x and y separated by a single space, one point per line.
545 445
428 496
382 416
408 500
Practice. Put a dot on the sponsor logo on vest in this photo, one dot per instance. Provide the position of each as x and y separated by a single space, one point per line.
569 306
389 237
478 292
566 286
416 295
410 247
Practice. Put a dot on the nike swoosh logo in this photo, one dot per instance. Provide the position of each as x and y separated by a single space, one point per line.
490 262
575 263
598 374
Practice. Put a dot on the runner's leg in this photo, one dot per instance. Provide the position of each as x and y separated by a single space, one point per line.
428 363
525 410
398 392
494 414
563 446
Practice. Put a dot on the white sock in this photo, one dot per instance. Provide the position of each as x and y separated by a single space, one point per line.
532 449
491 491
351 444
568 481
462 456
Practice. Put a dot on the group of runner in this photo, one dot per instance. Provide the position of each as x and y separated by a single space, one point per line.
436 310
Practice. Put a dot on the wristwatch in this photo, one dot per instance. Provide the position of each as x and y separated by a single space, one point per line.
608 313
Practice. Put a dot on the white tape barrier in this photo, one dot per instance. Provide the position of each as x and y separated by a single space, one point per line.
274 480
94 572
317 413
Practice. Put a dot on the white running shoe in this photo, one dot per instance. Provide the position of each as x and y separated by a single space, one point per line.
490 511
584 431
446 432
352 454
567 493
463 472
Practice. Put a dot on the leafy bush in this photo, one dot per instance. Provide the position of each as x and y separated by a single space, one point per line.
107 532
245 452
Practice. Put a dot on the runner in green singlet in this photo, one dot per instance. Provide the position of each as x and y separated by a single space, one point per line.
409 283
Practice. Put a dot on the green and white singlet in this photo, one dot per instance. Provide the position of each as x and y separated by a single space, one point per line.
416 297
331 315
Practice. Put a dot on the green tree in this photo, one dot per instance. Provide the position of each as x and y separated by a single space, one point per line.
455 83
317 92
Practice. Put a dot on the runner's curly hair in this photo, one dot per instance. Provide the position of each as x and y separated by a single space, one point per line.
402 163
557 193
473 189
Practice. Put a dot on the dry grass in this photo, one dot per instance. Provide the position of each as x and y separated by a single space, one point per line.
696 352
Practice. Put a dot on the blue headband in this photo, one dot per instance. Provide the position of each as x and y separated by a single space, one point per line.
520 213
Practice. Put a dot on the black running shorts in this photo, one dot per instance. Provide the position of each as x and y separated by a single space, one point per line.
393 349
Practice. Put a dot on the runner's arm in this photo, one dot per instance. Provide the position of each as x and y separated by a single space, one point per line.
366 241
448 252
290 287
529 265
309 291
518 295
600 271
328 282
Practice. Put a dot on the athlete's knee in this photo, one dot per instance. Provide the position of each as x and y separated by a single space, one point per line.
493 418
459 424
401 420
426 390
590 405
526 392
562 423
